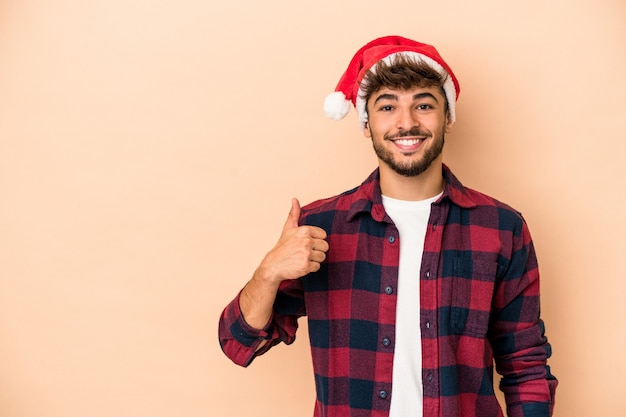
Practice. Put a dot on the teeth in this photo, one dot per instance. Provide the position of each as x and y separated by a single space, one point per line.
407 142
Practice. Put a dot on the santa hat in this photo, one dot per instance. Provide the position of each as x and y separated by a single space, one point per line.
337 104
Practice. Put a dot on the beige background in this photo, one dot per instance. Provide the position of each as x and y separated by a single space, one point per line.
149 149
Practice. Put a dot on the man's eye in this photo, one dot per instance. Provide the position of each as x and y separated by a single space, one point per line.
424 107
386 108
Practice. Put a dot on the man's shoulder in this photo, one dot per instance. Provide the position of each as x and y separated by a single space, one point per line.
337 203
348 202
469 198
486 206
485 200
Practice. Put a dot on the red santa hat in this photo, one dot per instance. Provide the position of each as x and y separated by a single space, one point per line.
348 90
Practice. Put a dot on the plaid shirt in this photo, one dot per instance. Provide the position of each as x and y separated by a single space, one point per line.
479 302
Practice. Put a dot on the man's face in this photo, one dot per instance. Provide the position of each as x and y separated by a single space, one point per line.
407 128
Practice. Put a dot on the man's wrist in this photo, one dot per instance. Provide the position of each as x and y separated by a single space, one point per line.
266 277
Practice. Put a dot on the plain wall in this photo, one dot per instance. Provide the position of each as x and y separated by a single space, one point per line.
149 151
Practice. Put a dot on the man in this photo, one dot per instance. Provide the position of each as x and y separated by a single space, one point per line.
412 284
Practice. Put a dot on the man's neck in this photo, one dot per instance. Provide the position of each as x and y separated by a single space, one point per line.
425 185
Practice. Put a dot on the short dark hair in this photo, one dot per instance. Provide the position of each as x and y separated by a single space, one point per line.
401 73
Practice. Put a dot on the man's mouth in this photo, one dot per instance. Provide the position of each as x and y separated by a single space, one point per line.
407 142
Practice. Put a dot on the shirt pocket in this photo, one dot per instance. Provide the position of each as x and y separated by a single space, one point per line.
472 295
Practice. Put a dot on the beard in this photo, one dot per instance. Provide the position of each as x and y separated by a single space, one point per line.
410 168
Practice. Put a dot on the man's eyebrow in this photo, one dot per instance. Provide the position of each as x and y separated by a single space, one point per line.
425 95
387 96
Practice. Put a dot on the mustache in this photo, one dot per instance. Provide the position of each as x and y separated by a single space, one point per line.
414 131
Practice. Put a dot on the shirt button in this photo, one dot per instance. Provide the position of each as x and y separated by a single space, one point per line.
388 290
429 377
428 325
427 274
386 342
391 239
383 394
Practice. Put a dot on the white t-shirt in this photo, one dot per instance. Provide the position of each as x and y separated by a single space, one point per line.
411 219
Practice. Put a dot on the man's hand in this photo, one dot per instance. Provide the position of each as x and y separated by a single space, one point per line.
299 250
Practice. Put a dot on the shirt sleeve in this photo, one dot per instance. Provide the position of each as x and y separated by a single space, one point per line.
517 334
242 343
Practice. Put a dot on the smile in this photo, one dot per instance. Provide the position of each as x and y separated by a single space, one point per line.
407 142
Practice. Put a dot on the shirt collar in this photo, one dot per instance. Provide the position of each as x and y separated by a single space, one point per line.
368 197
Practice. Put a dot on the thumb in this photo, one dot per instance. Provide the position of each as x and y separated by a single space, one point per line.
294 215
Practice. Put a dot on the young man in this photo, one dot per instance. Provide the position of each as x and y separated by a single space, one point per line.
412 284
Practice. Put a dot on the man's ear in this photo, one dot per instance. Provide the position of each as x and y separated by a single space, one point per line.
366 130
449 123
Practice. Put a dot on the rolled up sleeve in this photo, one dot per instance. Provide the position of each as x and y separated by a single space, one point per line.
241 343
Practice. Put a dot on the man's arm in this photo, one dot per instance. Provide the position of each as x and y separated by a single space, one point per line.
245 325
520 347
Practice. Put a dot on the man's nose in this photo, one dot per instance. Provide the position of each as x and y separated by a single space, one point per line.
407 119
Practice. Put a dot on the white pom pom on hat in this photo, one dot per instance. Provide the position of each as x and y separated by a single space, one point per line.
337 104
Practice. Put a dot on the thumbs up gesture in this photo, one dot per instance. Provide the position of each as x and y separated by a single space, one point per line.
299 250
